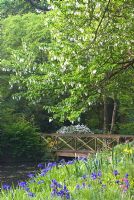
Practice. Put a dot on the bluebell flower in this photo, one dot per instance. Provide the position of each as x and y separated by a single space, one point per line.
44 171
43 174
64 193
78 186
117 181
67 196
99 173
83 185
6 186
54 192
22 184
84 176
70 162
94 176
51 164
40 165
41 181
31 194
64 187
55 184
126 175
27 189
115 172
84 159
30 175
127 183
60 193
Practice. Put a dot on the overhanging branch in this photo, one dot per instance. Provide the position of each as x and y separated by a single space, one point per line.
103 16
102 83
125 66
37 6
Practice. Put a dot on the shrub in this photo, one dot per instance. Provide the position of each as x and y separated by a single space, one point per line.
77 129
127 128
19 140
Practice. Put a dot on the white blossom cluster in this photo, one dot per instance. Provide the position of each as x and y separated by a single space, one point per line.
74 129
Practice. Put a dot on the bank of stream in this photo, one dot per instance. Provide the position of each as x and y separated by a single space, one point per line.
12 173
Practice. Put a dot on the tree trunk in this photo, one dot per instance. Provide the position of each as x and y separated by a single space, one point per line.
113 115
105 128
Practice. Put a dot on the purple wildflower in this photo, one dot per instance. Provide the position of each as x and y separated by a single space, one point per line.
55 184
126 181
78 186
83 185
84 176
22 184
99 173
84 159
30 175
70 162
31 194
40 165
51 164
117 181
94 176
115 172
126 175
6 186
56 192
27 189
41 181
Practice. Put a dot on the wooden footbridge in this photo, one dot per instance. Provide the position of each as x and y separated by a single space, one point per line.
82 145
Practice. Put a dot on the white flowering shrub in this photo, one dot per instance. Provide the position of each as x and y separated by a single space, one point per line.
74 129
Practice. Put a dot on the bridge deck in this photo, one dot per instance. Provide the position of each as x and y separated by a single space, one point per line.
71 153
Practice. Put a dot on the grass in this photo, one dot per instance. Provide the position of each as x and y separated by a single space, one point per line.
105 176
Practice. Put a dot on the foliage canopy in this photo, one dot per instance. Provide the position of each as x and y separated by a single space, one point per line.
71 57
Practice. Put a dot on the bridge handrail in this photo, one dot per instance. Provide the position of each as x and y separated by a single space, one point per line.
87 135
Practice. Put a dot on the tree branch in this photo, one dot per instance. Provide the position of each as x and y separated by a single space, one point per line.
112 74
37 6
96 32
125 66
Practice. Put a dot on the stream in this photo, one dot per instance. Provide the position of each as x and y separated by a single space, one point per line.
13 173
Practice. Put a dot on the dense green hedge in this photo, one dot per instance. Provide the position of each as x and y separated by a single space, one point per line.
20 141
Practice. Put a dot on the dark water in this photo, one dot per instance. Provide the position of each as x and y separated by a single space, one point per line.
13 172
16 172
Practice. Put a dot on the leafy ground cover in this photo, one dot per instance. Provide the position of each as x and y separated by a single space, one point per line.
105 176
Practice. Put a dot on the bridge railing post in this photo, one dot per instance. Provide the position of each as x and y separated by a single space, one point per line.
75 140
95 144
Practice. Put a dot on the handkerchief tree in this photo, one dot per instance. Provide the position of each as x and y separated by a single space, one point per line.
72 57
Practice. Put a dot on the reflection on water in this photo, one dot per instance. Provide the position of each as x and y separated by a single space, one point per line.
15 172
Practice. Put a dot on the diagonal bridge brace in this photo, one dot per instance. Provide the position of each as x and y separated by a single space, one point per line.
85 144
66 143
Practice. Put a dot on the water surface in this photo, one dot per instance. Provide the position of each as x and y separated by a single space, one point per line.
13 173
